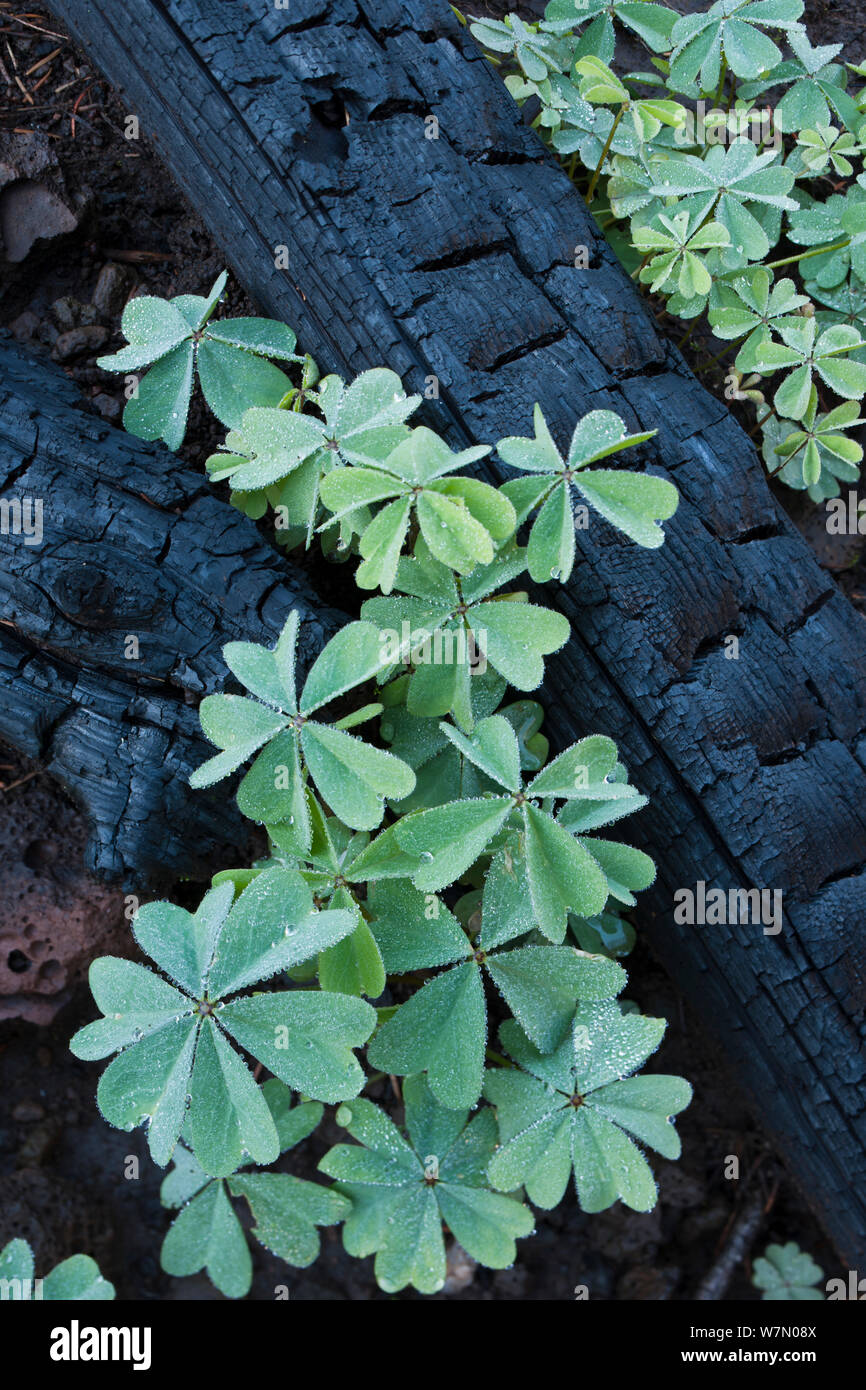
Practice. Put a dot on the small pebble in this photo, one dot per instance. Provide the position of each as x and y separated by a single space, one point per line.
112 291
109 407
78 342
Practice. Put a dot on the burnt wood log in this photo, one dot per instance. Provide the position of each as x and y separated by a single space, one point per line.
123 575
367 146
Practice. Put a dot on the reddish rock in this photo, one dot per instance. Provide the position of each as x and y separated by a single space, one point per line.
53 918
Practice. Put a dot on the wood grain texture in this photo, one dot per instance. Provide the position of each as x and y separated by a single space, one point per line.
304 128
133 544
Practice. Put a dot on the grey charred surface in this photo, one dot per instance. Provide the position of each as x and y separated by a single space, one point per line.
304 128
133 546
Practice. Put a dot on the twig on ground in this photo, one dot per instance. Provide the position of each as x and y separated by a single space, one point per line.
743 1230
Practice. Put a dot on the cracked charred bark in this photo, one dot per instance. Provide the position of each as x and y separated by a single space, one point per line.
453 258
132 545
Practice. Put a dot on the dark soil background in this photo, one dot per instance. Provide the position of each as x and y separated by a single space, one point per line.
122 227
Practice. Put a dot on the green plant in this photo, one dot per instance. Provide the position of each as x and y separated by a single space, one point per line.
176 339
402 1189
709 184
174 1055
455 867
574 1109
77 1278
785 1272
207 1234
353 777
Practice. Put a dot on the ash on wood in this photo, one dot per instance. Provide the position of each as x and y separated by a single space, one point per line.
366 146
123 577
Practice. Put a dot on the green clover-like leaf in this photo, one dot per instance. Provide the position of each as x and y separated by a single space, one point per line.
281 456
178 338
579 1111
786 1273
403 1189
172 1043
461 519
674 243
632 502
838 223
816 454
752 307
827 146
442 1028
557 871
650 22
352 776
538 54
207 1234
453 630
733 30
74 1280
803 352
816 87
726 181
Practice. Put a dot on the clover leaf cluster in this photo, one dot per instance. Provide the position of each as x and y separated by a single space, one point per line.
435 903
738 137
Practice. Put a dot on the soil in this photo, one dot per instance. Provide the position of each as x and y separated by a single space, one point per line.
67 1182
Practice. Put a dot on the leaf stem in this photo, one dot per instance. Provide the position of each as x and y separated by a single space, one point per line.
792 260
607 144
763 420
688 333
805 255
729 346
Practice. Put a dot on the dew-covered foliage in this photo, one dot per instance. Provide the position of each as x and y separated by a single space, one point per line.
73 1280
735 153
439 902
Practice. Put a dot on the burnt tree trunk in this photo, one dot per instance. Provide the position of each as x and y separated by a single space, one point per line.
302 136
123 576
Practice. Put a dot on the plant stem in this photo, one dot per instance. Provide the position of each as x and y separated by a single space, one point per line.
607 144
688 333
763 420
792 260
497 1057
771 473
805 255
728 347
